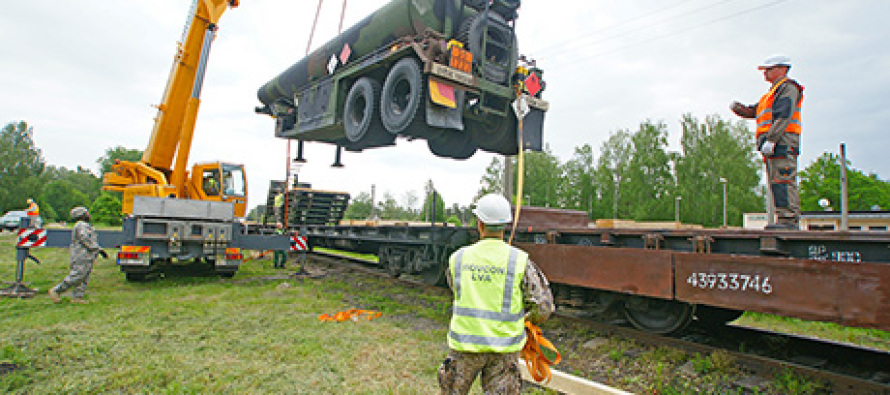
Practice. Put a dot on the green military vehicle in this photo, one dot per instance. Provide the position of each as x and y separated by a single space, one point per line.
445 71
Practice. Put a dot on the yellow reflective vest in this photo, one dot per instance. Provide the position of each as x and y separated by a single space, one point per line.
488 313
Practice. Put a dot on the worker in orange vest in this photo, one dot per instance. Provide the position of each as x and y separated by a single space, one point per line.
33 212
778 136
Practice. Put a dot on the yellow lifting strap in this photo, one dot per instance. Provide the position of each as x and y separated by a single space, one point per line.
351 314
538 364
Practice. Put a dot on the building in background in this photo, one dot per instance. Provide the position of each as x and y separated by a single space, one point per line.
875 220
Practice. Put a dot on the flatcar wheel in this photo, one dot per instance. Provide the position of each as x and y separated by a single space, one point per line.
710 316
658 316
435 275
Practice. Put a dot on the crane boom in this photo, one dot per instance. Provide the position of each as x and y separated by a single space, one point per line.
174 123
162 170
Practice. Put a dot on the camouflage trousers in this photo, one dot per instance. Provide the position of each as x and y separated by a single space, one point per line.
782 172
499 372
76 279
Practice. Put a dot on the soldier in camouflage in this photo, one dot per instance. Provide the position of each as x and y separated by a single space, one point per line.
487 331
84 248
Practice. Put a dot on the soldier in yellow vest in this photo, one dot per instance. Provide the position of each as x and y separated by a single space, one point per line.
496 288
278 205
778 136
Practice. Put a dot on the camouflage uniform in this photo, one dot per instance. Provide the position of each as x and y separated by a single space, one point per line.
781 166
84 248
499 371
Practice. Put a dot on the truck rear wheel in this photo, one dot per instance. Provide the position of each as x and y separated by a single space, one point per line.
402 95
360 116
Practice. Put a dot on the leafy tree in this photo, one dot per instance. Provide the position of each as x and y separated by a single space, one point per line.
47 212
389 208
106 209
115 154
359 207
543 178
712 150
454 220
63 197
650 184
493 179
578 190
82 179
21 164
611 174
433 197
410 200
821 179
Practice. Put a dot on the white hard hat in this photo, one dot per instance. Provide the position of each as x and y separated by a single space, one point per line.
775 60
78 212
493 209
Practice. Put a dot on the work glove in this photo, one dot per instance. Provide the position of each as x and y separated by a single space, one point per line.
104 254
767 148
736 107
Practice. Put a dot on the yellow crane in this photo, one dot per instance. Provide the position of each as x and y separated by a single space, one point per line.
157 174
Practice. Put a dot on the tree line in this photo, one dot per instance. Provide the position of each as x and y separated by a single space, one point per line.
25 174
632 176
636 177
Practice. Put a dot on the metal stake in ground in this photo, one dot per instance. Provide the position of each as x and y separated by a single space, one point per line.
27 237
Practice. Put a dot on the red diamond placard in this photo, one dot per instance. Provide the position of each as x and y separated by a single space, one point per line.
533 84
344 54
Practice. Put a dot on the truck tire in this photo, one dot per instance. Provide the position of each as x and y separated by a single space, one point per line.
402 96
360 116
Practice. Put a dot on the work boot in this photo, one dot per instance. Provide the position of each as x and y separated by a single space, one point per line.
54 296
79 301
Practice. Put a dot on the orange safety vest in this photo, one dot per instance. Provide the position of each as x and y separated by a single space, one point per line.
765 110
33 209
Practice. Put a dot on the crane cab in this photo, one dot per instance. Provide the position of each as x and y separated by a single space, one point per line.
221 182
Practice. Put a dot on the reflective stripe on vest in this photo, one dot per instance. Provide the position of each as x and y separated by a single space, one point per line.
477 324
765 111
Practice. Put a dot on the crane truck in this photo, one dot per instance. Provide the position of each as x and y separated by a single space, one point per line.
173 215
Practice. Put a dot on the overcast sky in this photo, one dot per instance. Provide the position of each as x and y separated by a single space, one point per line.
85 74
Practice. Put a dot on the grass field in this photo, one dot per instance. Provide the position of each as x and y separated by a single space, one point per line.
258 334
187 334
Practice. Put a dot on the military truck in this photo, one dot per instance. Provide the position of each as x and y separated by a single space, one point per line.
446 71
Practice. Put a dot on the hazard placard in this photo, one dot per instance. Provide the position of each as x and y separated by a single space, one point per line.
31 237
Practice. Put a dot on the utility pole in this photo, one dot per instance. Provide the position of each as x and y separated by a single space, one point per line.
677 209
508 177
845 209
723 181
373 201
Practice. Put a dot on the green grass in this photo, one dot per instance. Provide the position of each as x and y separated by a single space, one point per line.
201 334
873 338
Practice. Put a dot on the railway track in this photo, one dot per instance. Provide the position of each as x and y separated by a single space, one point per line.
840 368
